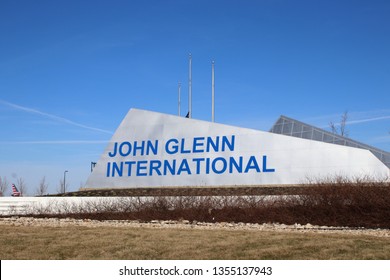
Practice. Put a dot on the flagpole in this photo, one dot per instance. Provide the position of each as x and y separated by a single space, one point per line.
212 92
190 87
178 105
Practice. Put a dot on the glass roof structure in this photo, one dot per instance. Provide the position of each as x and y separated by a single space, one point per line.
287 126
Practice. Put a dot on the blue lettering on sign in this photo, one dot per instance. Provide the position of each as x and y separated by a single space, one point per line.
252 164
169 166
129 167
182 147
155 165
265 169
142 167
117 169
222 167
108 169
172 149
182 166
136 148
198 145
212 145
226 143
237 166
198 162
124 149
207 166
219 165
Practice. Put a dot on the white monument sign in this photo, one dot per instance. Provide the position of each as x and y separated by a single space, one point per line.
158 150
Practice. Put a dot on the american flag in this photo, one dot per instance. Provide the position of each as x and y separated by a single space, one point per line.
15 191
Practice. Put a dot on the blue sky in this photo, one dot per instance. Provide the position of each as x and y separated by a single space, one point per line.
70 71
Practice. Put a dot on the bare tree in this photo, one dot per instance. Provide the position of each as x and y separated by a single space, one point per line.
42 188
21 185
333 127
3 185
343 124
341 127
62 188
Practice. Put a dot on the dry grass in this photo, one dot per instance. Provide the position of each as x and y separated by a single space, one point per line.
74 242
336 202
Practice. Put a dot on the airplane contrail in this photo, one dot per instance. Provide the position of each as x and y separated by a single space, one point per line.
369 120
53 117
55 142
358 121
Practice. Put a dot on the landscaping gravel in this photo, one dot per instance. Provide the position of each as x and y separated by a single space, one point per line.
184 224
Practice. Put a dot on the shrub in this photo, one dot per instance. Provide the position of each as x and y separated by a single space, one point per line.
332 202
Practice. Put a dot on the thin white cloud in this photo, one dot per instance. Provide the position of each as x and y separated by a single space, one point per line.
365 117
53 117
369 120
366 120
55 142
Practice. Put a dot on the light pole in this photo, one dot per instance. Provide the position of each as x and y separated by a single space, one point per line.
64 181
